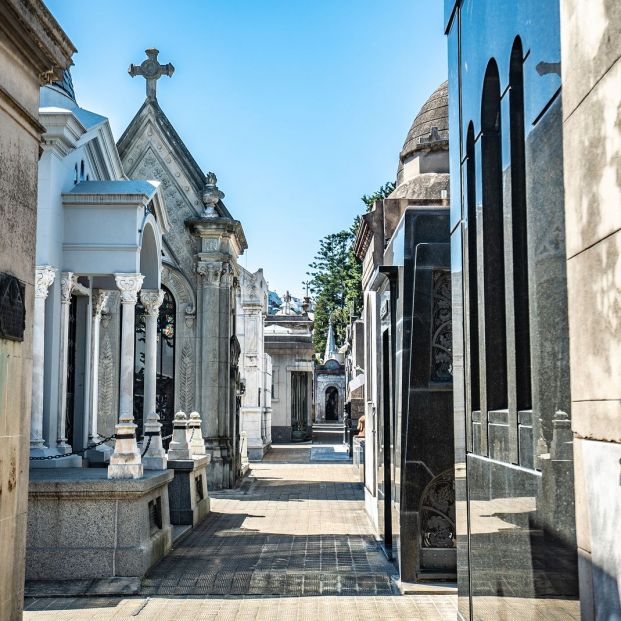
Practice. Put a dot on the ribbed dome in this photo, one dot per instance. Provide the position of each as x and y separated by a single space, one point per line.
434 113
65 84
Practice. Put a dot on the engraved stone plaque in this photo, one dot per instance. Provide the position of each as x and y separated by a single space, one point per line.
12 308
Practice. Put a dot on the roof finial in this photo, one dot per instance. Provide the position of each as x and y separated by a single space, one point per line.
211 196
331 351
151 71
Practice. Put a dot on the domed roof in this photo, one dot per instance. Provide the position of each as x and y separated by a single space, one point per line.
65 85
434 113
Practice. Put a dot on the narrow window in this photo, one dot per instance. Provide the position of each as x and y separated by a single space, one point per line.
82 170
75 178
520 238
473 303
493 243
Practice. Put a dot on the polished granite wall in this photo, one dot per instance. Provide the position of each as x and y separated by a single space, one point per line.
513 447
421 429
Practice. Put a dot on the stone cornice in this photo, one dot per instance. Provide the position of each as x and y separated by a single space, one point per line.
37 37
207 227
62 130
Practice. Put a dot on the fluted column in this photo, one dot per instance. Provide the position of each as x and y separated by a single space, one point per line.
44 277
67 283
125 462
99 299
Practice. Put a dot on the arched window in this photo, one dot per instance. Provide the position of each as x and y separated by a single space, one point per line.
493 242
82 170
165 365
75 177
471 241
519 228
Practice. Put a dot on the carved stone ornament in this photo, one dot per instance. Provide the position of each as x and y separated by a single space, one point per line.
129 286
67 283
44 277
442 330
99 298
152 300
227 278
438 512
210 271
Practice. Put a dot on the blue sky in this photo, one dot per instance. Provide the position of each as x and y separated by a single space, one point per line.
299 106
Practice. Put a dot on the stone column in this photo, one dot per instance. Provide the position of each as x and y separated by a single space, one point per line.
125 462
101 453
67 283
44 277
151 300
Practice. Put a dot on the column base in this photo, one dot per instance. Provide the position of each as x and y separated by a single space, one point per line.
99 455
125 461
219 475
125 471
154 463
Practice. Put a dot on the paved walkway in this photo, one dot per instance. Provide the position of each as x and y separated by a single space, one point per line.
293 543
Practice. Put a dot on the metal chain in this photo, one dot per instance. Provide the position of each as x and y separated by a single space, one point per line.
146 448
80 452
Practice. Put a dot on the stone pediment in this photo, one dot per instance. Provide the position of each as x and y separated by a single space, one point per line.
151 125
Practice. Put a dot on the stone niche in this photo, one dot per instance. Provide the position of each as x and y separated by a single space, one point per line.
82 525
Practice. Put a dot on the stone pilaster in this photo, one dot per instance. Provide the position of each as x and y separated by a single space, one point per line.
44 277
221 242
125 462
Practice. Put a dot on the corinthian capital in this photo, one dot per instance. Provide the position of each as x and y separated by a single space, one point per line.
210 271
152 300
228 277
129 285
44 277
67 283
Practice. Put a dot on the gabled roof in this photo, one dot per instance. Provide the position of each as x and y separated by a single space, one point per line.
182 155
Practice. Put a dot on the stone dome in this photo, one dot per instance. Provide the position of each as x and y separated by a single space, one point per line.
434 113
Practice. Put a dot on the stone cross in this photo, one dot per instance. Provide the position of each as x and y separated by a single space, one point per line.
151 71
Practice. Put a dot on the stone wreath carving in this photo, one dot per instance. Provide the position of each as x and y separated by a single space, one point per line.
441 328
437 514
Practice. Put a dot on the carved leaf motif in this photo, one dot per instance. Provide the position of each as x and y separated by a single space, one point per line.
442 330
186 377
106 376
438 512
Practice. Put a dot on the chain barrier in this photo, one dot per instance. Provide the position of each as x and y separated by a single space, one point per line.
92 446
146 448
80 452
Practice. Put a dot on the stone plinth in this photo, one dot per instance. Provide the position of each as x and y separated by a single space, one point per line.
188 496
83 525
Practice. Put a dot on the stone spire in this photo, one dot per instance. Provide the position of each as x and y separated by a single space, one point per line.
331 350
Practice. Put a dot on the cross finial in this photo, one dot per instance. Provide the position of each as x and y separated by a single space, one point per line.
151 70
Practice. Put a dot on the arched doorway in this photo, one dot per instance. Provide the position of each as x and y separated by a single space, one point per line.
165 385
332 403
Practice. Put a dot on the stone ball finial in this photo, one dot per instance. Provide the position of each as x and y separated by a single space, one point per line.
195 416
181 416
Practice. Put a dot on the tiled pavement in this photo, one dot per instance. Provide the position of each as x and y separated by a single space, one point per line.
293 542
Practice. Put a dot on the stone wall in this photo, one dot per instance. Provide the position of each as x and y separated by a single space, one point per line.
24 27
591 72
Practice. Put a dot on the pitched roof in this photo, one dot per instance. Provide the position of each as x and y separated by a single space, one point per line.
182 155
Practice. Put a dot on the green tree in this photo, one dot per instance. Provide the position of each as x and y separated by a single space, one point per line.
335 278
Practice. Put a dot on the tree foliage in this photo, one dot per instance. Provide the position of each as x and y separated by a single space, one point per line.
335 278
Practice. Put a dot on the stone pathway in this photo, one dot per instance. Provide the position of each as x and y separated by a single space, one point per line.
293 542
